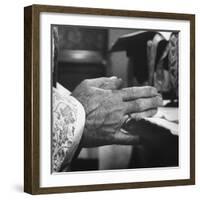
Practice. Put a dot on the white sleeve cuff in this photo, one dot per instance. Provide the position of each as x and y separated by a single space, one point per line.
80 116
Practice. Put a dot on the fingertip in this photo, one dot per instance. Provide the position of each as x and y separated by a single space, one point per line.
126 138
153 91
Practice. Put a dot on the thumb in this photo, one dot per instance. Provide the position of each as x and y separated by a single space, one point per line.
123 138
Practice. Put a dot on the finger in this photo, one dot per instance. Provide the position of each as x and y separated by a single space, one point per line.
148 113
111 83
125 138
132 93
143 104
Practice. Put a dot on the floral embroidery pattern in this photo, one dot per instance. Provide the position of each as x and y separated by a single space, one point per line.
64 118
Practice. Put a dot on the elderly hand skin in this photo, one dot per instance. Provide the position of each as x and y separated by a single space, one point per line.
107 106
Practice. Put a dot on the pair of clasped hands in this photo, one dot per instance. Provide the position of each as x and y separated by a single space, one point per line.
108 106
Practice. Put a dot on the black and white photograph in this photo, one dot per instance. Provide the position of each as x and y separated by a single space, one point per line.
114 98
109 99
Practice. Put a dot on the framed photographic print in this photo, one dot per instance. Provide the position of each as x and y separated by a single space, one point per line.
109 99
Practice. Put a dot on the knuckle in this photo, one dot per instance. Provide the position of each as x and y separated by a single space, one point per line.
119 94
85 82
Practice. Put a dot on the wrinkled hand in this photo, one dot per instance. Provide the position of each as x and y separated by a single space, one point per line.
107 108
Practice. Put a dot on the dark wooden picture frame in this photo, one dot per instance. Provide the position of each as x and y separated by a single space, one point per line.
32 94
